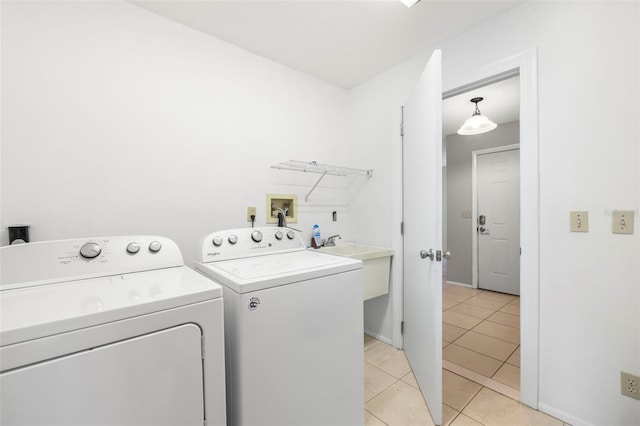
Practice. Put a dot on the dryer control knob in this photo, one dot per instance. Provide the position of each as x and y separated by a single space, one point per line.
279 235
90 250
233 239
133 248
291 235
217 241
155 246
256 236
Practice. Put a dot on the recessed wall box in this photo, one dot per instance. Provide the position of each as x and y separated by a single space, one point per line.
288 204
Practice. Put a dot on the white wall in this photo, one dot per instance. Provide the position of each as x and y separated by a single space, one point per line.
374 129
117 121
588 79
459 193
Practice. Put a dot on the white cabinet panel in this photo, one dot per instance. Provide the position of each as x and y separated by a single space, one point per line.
114 384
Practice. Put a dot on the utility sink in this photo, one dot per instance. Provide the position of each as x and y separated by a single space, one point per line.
376 262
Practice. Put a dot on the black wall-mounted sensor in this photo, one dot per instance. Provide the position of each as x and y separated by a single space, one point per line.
18 234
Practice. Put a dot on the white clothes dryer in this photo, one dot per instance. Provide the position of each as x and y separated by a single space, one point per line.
109 331
293 329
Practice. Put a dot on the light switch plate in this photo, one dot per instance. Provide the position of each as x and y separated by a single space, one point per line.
622 221
579 221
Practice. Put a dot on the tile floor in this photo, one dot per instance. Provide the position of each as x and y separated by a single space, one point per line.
481 369
481 334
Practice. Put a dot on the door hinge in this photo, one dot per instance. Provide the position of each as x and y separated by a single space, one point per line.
402 121
402 327
202 348
401 228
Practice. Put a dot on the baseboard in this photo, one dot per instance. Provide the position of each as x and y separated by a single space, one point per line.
459 284
380 337
561 415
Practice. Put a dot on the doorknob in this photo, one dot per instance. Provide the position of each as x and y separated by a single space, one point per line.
424 254
483 230
447 254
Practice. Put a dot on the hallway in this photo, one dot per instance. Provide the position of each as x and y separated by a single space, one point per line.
481 337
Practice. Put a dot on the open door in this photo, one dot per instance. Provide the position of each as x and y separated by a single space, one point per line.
422 217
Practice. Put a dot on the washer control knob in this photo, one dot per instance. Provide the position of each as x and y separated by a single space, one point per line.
290 235
155 246
217 241
133 248
256 236
233 239
90 250
279 235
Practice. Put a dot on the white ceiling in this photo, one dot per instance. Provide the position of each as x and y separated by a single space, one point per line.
346 42
339 41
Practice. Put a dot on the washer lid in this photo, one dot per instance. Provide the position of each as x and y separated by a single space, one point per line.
38 311
261 272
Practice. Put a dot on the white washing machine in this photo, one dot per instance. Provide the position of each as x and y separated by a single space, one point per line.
293 329
109 331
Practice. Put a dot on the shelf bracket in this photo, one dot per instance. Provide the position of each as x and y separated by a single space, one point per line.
306 197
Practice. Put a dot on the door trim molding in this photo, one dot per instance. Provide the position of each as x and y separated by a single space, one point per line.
474 204
526 65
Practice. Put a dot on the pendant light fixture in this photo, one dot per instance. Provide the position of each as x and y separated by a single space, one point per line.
409 3
477 123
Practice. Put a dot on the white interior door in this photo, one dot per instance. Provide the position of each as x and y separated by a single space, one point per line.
498 189
422 216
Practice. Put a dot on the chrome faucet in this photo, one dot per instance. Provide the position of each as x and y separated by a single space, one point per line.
330 242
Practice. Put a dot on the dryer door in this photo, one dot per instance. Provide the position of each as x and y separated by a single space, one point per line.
154 379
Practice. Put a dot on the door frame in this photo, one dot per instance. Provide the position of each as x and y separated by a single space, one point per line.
524 64
474 204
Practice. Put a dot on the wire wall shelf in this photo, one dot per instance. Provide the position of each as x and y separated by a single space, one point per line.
322 169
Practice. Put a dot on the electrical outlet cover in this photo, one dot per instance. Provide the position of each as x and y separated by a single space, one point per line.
630 385
251 211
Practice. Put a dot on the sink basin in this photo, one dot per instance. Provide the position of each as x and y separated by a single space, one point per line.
358 251
376 262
